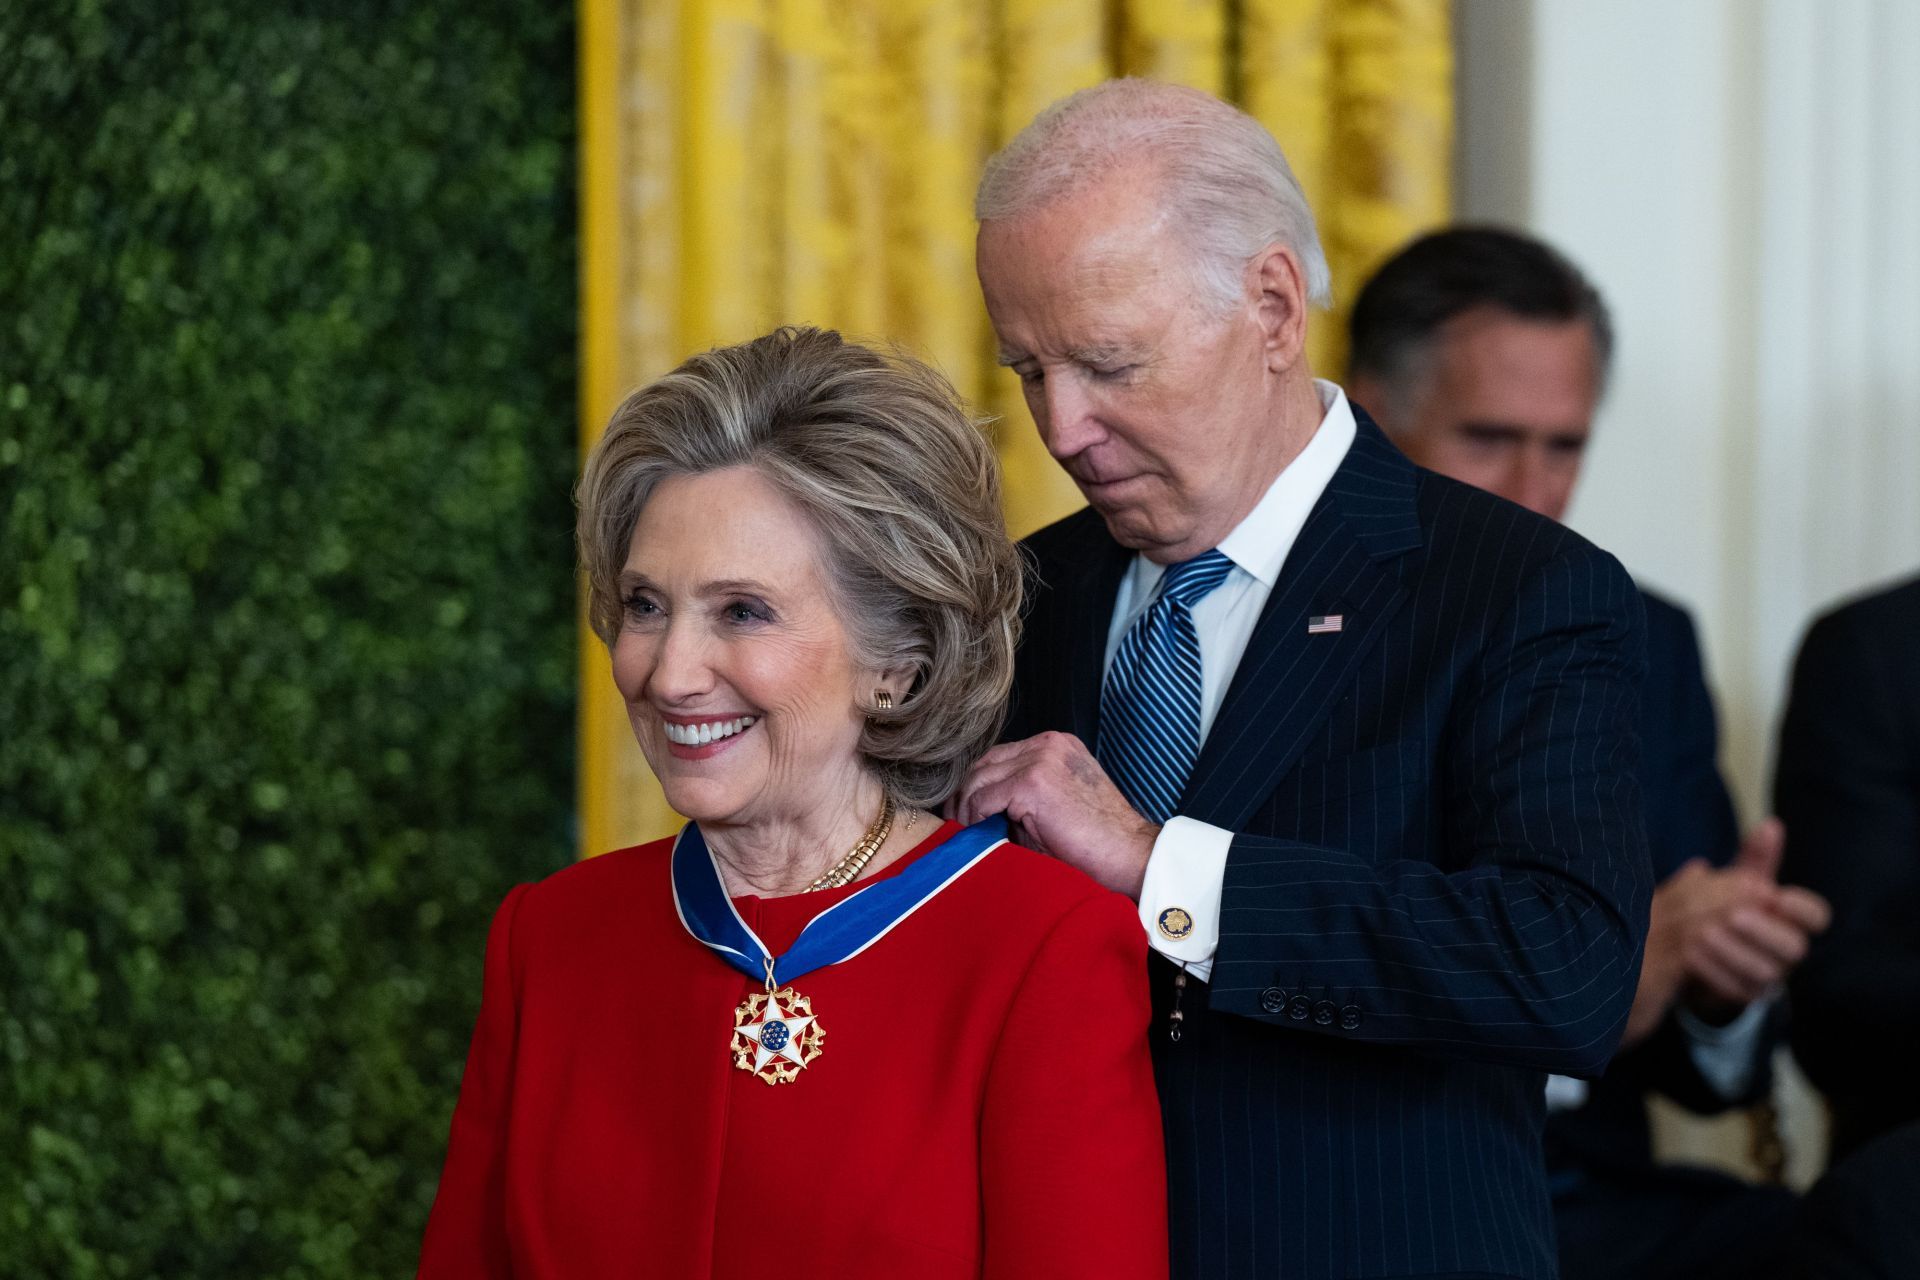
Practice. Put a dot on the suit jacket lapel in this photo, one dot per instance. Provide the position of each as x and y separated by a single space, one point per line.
1089 622
1288 680
1083 581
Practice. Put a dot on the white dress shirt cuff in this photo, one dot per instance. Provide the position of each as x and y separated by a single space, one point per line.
1565 1093
1180 895
1725 1056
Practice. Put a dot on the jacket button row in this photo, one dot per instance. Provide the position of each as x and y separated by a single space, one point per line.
1300 1008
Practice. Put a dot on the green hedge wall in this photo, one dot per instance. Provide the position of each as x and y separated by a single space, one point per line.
286 616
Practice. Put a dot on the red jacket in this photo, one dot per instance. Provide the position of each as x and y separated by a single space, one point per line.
983 1105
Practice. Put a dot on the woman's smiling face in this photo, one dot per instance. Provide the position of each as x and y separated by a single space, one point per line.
737 672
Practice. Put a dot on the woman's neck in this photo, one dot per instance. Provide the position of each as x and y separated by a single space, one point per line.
779 857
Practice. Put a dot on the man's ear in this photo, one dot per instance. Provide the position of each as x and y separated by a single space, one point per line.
1279 283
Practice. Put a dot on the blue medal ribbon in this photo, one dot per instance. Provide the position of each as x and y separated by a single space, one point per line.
838 933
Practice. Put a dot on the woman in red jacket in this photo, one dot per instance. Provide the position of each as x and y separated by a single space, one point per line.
821 1032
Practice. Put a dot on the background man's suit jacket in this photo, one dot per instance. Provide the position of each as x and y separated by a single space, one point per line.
1849 792
1438 887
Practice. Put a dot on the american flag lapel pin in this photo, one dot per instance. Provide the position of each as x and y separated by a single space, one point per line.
1325 624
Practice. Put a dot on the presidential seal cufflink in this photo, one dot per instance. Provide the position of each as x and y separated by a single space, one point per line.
1175 924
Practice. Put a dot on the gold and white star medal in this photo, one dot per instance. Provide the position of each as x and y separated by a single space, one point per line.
775 1034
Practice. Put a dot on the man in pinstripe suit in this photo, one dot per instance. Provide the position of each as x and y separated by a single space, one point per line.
1399 874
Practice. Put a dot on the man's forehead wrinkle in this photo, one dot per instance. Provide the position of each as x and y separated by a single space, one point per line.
1085 330
1103 265
1078 317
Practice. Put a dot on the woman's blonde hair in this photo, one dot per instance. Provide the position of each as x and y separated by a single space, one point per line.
905 492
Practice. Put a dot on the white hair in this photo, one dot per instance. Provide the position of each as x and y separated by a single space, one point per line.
1223 179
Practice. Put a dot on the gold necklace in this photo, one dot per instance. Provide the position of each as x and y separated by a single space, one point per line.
844 871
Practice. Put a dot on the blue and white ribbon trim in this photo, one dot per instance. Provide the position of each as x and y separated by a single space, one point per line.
840 932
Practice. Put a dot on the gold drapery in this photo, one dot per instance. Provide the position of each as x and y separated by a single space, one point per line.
747 163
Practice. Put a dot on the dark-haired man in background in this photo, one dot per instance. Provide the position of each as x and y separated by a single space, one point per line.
1484 354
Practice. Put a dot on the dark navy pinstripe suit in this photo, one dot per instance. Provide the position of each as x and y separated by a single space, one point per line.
1438 889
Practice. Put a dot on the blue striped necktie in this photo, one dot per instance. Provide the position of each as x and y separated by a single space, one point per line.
1150 705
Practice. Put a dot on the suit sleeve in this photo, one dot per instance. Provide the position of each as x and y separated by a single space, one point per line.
1521 943
1689 814
1849 792
1688 809
1072 1169
466 1232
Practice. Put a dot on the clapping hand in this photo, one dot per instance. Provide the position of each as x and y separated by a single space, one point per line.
1721 938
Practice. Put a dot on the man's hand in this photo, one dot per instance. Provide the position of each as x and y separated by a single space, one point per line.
1723 938
1061 803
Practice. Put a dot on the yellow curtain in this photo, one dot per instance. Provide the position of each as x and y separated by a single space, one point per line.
746 163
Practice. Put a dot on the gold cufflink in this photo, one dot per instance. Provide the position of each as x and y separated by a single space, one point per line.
1175 924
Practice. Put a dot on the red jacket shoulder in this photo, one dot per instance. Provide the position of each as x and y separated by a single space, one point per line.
614 888
1041 891
1035 873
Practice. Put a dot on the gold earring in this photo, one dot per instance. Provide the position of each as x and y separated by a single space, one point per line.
882 699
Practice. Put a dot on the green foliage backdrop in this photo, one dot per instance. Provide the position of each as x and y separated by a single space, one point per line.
286 616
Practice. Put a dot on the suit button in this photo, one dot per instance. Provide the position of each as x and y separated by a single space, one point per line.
1299 1008
1323 1013
1273 999
1350 1018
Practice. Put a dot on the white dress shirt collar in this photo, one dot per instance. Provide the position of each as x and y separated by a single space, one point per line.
1259 543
